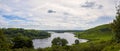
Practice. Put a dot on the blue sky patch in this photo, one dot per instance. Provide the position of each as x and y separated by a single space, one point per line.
102 20
12 17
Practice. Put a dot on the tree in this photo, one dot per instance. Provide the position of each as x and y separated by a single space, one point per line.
116 25
4 42
77 41
60 42
21 41
56 41
34 34
64 42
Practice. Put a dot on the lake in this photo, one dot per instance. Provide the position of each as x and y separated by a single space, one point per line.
46 42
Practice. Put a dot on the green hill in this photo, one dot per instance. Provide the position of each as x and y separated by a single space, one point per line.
100 37
102 32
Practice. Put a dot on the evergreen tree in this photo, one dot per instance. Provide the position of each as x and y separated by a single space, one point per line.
77 41
116 25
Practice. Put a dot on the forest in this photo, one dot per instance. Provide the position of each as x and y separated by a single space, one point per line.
33 34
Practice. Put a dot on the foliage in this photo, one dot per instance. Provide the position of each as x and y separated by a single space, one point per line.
64 42
12 32
112 47
77 41
24 49
116 26
21 41
5 44
60 42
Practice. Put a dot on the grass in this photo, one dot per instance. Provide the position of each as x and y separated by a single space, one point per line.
99 33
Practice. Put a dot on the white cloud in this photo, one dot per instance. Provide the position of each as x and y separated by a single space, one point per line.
68 13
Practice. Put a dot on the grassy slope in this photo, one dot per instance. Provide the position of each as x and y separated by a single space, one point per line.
102 32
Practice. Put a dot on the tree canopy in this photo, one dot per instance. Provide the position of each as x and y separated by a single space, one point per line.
12 32
60 42
21 41
77 41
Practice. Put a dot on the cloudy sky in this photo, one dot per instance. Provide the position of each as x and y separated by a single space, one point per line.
56 14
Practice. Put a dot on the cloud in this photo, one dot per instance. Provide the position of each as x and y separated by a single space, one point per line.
89 4
92 5
51 11
66 14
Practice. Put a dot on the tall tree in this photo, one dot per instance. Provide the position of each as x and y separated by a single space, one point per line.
116 25
4 42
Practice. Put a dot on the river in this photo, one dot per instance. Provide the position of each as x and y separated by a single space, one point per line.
43 43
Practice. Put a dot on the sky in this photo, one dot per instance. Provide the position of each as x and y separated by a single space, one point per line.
56 14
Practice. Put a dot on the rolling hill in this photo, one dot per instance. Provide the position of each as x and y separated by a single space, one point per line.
102 32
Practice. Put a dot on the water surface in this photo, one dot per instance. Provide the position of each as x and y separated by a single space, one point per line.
43 43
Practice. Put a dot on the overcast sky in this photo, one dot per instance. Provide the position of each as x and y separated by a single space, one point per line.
56 14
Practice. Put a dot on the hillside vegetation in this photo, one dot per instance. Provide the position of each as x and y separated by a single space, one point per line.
102 32
13 32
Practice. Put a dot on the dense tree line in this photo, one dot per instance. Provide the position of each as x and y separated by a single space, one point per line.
12 32
17 42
